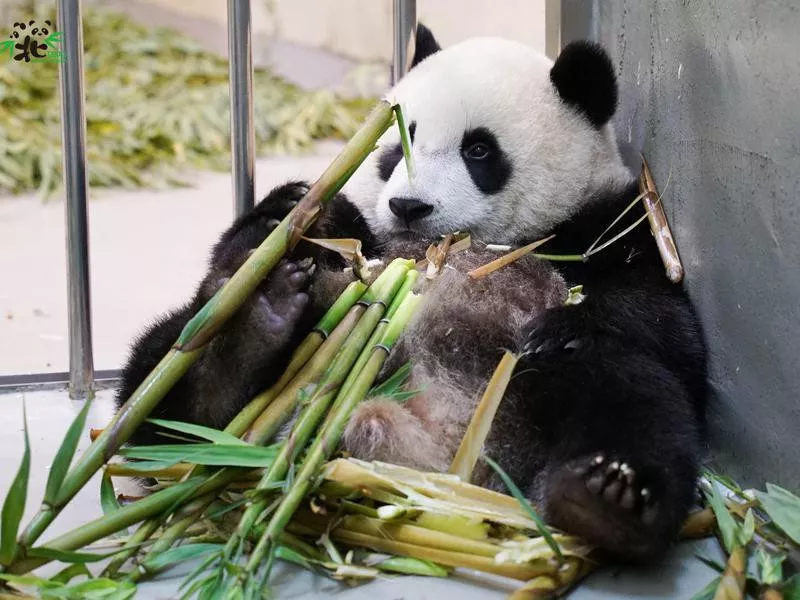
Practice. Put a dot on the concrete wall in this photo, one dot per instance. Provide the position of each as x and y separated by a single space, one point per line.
710 93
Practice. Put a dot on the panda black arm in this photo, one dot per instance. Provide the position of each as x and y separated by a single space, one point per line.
626 368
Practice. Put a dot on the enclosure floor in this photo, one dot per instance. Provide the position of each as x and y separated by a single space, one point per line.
50 413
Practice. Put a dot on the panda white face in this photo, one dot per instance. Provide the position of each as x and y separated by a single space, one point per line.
498 150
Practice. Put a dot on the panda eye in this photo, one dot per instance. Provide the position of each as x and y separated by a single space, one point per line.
477 151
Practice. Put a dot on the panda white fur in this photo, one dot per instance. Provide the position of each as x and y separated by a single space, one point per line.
602 424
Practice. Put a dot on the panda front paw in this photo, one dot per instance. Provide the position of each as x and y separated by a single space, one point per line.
283 297
559 332
282 199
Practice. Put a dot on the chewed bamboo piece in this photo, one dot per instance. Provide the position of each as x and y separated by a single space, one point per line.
507 259
659 225
472 443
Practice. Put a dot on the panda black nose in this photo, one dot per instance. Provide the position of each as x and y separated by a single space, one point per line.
410 209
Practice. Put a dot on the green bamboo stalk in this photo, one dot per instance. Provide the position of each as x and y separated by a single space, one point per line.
109 524
378 296
184 518
328 439
407 287
132 545
204 325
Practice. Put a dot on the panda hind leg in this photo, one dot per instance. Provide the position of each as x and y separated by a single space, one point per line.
622 470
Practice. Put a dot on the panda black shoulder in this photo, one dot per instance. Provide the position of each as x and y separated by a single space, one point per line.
635 253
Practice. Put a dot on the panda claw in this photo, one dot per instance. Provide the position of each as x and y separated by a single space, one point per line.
628 499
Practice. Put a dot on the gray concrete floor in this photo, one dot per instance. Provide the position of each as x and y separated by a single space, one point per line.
51 412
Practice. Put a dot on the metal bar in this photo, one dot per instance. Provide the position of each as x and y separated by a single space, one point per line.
404 21
243 140
73 123
43 381
579 20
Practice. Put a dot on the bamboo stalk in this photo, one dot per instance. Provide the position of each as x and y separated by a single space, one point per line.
378 295
520 571
731 585
659 225
204 325
408 285
174 472
184 518
556 585
141 535
699 524
328 439
401 532
472 443
507 259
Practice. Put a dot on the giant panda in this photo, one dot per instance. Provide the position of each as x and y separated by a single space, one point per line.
602 424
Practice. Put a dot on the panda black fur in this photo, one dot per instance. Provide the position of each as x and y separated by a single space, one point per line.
603 421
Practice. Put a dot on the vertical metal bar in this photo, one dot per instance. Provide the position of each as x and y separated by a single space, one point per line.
243 139
404 21
73 123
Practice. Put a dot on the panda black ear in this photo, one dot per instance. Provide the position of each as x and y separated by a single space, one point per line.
424 46
584 78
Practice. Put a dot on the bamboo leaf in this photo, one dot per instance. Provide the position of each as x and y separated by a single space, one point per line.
30 581
179 554
783 507
14 505
748 528
707 593
108 497
205 454
725 522
292 556
770 568
207 433
146 466
349 249
393 385
520 497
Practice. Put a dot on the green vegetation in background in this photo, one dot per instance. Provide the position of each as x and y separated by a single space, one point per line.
157 104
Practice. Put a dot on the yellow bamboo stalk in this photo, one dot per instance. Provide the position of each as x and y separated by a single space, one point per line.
472 443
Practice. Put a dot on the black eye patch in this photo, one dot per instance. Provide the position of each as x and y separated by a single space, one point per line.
487 164
391 156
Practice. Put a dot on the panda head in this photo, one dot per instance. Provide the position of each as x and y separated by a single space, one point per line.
506 143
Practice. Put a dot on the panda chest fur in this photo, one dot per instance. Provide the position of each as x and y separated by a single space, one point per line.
453 345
